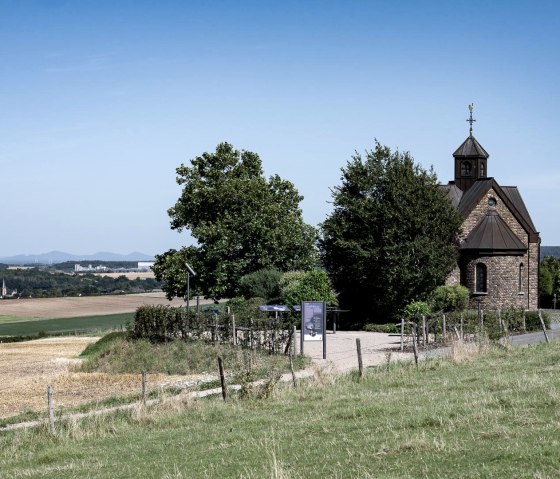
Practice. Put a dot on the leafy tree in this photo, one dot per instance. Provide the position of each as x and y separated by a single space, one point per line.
314 285
390 239
169 267
549 280
241 221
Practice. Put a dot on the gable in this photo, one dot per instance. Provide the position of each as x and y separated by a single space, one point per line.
508 195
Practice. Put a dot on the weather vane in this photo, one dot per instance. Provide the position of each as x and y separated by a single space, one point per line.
471 120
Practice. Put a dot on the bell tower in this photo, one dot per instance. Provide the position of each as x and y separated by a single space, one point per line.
470 160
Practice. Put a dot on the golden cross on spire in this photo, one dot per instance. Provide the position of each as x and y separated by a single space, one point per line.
471 120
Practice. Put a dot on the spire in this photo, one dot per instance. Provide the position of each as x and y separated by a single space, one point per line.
471 120
470 159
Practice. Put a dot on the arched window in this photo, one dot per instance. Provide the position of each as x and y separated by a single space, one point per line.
466 168
480 283
520 281
482 172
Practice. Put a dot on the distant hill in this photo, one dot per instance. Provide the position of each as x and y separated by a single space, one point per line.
61 257
550 251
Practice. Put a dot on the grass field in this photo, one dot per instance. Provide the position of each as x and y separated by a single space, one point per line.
85 323
496 415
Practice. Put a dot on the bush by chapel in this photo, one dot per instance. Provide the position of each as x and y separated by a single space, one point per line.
499 246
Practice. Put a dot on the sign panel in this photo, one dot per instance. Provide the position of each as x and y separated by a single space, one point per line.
313 320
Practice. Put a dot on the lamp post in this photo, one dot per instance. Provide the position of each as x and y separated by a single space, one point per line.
189 272
554 300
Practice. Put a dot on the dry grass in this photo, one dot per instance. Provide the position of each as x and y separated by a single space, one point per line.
461 351
26 369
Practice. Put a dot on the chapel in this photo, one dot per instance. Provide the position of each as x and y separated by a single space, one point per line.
499 246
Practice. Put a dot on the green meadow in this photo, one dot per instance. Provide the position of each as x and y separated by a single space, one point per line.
492 414
27 327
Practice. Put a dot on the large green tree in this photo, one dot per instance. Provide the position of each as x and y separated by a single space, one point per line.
242 221
391 237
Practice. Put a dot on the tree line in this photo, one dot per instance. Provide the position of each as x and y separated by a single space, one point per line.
43 282
389 241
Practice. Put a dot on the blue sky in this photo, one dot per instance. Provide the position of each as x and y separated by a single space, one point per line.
101 101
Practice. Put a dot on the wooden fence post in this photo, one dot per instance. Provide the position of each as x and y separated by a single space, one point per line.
222 377
402 333
524 322
543 326
294 332
50 401
234 332
414 346
444 329
292 369
423 331
144 387
462 330
360 363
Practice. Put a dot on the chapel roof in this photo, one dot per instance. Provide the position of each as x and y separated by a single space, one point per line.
508 194
471 148
492 234
515 197
452 192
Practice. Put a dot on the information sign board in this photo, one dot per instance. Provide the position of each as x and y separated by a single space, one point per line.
313 320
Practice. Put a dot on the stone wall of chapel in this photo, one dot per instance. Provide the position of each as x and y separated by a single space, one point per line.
533 276
502 282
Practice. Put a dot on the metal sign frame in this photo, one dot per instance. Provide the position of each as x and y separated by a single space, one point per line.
314 323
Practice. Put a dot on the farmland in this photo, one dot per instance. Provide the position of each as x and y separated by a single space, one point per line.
493 414
31 316
26 369
69 307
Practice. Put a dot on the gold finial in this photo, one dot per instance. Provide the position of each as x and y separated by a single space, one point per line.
470 119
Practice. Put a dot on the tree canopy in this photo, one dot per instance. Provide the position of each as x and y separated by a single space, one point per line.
391 237
549 280
242 222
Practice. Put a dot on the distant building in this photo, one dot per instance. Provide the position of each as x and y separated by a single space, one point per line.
145 265
6 293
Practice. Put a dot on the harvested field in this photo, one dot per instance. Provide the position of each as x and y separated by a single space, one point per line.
26 369
84 306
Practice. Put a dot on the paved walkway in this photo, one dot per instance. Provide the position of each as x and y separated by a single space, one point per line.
342 353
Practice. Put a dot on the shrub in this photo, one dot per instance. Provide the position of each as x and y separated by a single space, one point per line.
264 283
314 285
381 328
533 323
417 309
449 298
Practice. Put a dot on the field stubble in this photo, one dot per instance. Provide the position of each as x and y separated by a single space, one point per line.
27 368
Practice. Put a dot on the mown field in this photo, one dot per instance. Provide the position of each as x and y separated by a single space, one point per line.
491 415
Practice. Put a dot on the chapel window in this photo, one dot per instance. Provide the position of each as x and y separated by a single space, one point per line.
480 280
520 280
466 168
